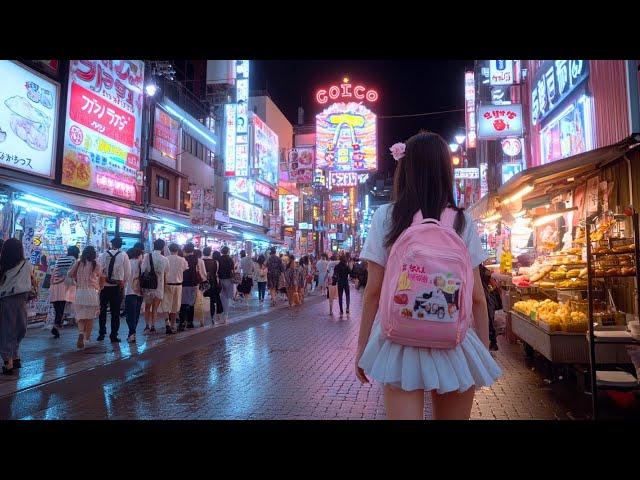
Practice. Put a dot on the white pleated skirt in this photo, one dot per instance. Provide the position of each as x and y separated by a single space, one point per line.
445 370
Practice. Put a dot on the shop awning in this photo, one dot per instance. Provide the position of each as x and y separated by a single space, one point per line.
575 166
76 201
217 233
481 207
173 218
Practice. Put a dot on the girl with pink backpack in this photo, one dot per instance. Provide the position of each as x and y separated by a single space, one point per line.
424 324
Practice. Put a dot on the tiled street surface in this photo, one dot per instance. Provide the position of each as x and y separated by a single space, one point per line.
285 364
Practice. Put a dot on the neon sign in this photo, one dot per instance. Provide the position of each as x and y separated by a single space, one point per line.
346 91
346 138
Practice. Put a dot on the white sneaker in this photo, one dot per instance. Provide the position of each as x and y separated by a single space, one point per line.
131 338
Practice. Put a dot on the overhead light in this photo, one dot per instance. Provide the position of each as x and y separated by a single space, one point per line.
453 147
551 216
460 138
31 208
171 222
519 194
492 218
570 179
188 192
151 89
545 219
32 198
519 214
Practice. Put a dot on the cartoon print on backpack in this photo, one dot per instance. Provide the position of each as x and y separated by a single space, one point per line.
434 297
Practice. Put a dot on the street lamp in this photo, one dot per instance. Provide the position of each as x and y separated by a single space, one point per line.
460 138
453 147
151 88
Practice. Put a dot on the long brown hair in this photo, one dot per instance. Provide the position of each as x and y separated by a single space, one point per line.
423 181
89 256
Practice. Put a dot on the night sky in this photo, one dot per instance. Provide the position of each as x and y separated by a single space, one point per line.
405 87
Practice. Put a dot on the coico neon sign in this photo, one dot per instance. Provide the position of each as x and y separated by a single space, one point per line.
346 91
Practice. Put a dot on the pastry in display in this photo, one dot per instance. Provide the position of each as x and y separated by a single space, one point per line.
573 273
627 270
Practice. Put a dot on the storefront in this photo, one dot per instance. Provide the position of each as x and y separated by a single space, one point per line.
573 106
549 275
48 220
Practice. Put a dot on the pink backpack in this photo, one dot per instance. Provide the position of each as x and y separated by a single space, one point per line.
426 297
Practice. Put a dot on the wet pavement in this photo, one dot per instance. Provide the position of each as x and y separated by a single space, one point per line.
284 364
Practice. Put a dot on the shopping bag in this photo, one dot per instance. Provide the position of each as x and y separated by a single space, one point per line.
333 292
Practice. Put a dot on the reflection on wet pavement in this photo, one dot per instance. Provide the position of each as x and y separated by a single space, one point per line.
289 364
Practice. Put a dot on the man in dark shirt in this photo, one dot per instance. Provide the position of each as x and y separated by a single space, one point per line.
341 274
274 269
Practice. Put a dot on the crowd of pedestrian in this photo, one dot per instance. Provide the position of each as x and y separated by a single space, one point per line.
170 283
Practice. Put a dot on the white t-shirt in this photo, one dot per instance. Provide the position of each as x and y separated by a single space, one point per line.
121 265
375 251
160 265
177 266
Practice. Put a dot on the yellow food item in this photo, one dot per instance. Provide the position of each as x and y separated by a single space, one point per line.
574 273
558 275
403 282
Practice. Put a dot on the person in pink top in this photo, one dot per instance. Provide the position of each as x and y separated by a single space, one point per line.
86 273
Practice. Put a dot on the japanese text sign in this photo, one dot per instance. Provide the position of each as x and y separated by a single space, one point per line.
103 127
554 82
499 121
28 119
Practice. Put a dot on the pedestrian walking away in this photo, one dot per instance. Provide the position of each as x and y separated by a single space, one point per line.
115 269
246 266
172 298
423 202
63 288
155 267
262 274
274 270
226 269
212 265
192 278
17 286
133 293
341 273
86 273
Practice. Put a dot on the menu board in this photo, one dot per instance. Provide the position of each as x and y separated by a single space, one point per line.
103 125
28 119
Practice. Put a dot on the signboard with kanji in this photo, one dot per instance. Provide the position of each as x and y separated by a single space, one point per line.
499 121
28 119
103 127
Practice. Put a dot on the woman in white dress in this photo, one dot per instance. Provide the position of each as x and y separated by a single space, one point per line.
86 274
423 181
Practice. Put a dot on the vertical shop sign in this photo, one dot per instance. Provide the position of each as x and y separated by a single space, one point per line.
470 108
484 185
592 195
242 118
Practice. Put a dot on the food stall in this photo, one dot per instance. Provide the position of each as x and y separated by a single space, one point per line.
539 216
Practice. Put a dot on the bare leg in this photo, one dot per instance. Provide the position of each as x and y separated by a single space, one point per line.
453 405
148 315
402 405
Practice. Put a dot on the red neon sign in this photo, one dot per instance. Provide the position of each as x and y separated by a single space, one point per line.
346 91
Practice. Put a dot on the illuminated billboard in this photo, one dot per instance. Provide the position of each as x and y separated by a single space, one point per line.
265 151
346 138
103 127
